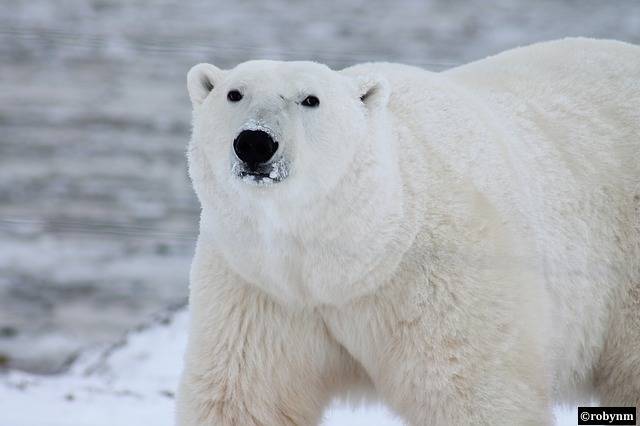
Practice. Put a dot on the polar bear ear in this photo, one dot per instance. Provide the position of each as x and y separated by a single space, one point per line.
373 90
201 79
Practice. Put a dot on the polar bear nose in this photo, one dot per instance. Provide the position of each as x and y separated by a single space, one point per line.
254 147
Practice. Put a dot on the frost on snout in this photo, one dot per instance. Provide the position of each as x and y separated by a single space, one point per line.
257 155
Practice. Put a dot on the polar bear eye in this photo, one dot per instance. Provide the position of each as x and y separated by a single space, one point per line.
234 95
311 101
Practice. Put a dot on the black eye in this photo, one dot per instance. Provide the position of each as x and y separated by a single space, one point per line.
234 96
311 101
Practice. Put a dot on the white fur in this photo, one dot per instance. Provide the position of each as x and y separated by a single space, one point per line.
466 244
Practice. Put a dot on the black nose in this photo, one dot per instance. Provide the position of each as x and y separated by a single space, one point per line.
254 147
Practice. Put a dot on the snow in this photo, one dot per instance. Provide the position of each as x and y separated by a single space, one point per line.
132 383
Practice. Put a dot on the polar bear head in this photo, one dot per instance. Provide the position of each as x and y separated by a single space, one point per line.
286 127
283 156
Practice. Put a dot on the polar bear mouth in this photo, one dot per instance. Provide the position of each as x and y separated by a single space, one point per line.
264 174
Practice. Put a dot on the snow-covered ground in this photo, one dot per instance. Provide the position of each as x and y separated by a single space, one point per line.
133 383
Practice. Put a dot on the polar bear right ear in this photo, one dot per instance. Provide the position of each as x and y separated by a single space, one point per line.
373 90
201 79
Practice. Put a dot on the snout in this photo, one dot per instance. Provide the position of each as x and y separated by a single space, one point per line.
254 147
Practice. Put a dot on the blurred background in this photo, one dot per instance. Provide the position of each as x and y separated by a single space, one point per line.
97 216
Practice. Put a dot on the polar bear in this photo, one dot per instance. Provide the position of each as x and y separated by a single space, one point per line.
463 245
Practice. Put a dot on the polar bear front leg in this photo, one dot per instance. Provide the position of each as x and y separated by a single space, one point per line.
454 354
462 386
252 362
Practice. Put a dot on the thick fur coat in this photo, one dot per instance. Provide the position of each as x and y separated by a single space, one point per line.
464 245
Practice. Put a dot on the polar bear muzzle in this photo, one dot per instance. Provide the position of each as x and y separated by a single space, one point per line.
255 151
254 147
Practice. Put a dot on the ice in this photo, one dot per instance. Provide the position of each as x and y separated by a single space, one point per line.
279 169
253 124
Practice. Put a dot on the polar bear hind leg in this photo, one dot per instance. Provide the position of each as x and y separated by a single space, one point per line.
617 376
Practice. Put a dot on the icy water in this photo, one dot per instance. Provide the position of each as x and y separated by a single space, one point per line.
97 216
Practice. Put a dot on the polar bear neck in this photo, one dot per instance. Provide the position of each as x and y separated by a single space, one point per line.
326 253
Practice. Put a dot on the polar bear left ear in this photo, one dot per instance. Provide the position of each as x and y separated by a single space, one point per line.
201 80
373 90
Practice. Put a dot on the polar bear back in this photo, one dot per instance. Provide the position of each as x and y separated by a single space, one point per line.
571 113
549 129
584 94
549 134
